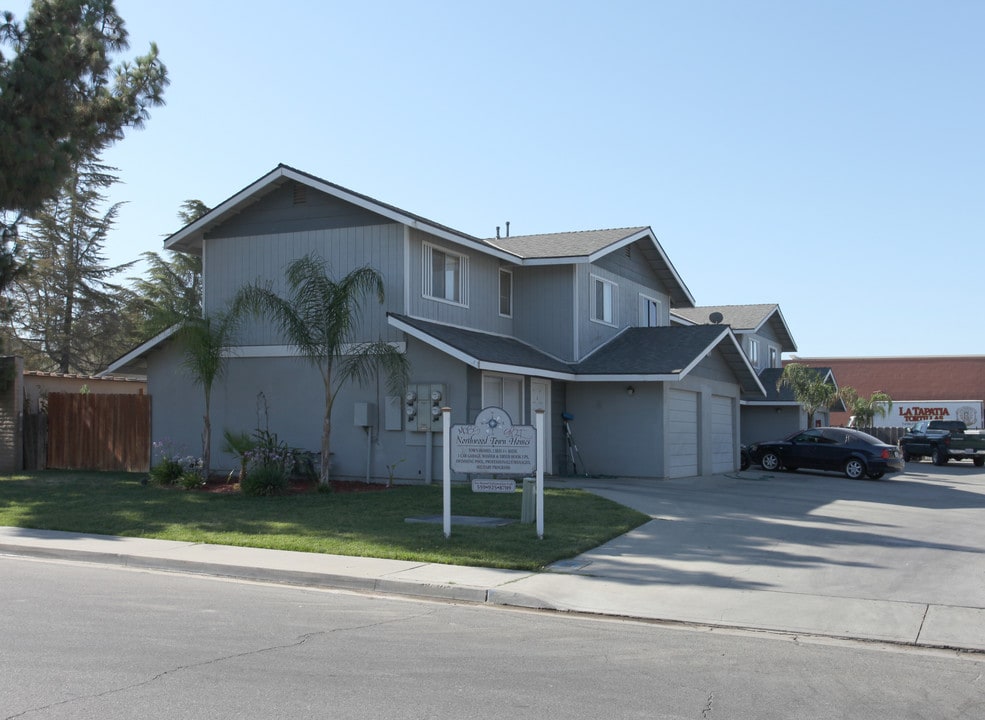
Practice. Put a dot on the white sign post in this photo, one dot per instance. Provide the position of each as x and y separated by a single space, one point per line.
493 445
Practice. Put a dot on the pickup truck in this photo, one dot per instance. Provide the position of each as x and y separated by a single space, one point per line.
943 440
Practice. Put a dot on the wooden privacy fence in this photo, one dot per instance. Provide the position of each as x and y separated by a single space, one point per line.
98 432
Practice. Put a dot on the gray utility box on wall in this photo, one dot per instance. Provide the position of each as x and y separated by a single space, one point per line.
363 415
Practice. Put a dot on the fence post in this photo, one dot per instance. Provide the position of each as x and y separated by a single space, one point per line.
11 413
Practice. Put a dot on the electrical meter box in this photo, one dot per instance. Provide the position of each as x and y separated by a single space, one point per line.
363 415
422 406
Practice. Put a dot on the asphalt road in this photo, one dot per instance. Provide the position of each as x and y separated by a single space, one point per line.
94 642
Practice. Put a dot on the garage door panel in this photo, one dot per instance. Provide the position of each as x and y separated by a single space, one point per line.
682 434
722 434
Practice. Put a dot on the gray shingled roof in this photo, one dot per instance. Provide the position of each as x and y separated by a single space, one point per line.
486 347
742 318
566 244
663 351
769 377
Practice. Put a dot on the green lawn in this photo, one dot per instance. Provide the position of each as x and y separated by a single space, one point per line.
365 524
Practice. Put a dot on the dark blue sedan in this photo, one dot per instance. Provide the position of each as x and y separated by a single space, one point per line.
852 452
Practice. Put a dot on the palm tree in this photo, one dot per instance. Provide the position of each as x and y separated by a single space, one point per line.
204 341
809 388
320 318
864 410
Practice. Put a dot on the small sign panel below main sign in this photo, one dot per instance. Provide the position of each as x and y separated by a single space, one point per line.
494 445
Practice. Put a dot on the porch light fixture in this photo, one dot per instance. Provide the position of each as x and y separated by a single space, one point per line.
630 390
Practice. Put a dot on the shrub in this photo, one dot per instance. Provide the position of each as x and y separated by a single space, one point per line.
268 478
166 471
171 468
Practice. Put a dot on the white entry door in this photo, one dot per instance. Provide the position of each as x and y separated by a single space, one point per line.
682 433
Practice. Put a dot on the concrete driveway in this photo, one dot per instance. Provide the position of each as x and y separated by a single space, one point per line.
899 558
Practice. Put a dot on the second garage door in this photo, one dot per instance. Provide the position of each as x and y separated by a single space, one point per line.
682 434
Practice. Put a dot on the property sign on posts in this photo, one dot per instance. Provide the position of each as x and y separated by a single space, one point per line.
493 445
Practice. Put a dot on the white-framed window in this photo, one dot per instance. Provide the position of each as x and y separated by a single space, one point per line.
774 358
506 293
603 301
651 311
446 275
754 352
505 391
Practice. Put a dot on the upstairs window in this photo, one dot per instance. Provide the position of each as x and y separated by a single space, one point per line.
774 358
506 293
445 275
650 312
603 301
754 352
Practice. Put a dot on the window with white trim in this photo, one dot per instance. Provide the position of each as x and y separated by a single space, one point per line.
650 311
774 358
754 352
506 293
446 275
505 391
603 301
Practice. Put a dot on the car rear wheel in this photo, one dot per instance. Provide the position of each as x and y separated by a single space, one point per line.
770 461
938 456
978 461
854 469
906 456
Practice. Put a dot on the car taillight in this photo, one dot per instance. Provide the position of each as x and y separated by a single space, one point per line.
885 454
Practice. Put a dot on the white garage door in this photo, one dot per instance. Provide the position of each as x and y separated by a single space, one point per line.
682 433
722 435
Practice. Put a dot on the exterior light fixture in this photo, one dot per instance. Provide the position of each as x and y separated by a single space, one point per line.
630 390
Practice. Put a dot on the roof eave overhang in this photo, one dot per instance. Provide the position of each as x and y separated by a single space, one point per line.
189 238
117 366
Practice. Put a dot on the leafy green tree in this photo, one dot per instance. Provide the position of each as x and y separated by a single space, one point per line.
62 102
61 99
171 290
204 342
68 312
809 388
320 317
865 409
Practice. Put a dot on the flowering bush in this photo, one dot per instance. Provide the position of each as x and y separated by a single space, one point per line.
172 467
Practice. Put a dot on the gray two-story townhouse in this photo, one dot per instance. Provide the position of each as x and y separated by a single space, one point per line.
577 325
764 336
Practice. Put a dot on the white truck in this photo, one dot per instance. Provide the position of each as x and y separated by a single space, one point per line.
906 413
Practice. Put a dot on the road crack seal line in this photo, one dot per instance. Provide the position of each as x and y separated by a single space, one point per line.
260 651
706 712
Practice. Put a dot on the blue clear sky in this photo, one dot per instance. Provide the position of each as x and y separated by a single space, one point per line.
828 156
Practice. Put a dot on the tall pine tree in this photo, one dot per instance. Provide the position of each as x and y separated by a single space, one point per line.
68 315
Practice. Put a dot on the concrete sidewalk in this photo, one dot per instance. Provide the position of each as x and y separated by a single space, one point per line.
844 617
898 561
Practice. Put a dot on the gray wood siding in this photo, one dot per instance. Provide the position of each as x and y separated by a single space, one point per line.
277 212
625 273
714 367
481 310
542 311
232 263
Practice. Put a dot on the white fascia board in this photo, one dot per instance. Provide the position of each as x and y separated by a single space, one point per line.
642 234
139 350
281 351
777 312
